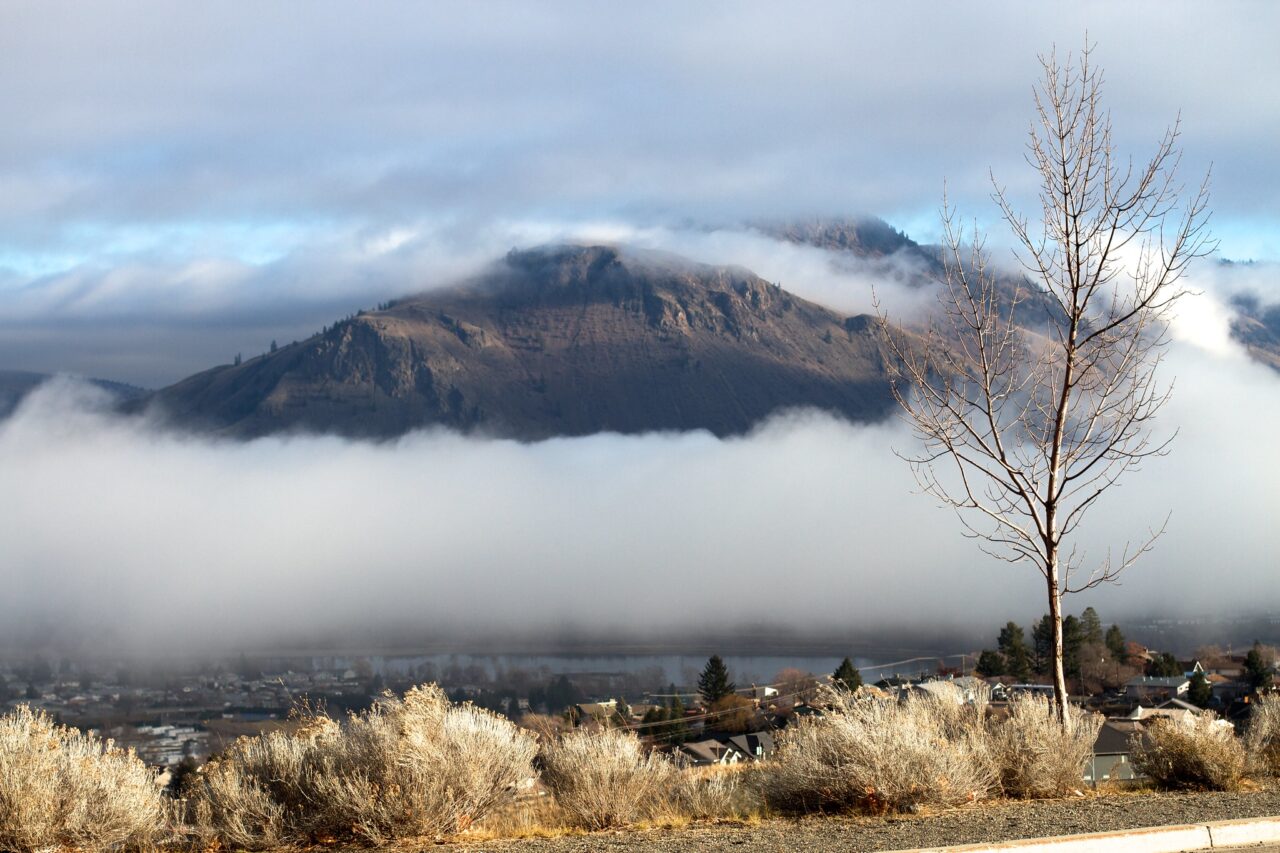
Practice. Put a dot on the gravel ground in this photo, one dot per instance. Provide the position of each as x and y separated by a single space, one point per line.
983 823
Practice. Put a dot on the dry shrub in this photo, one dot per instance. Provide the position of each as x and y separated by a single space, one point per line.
1199 752
411 768
882 756
60 787
1262 740
715 793
604 778
1039 757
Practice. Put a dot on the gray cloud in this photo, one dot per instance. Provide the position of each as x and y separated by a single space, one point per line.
145 113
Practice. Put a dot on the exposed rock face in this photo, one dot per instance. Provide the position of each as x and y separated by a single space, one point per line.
566 340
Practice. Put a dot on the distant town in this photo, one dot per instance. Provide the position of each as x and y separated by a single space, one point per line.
179 715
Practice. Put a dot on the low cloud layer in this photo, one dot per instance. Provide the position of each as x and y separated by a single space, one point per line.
138 536
151 321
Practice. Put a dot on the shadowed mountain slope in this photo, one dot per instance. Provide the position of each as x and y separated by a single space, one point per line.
564 340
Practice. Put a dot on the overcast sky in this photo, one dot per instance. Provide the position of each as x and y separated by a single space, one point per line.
181 182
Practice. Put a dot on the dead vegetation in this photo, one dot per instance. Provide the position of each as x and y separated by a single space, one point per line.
604 777
1039 756
411 768
61 788
882 756
1200 752
1262 738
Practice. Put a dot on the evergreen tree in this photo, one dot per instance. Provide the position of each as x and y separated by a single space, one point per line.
1164 665
1042 637
1201 692
1256 670
677 731
1013 648
1091 625
714 683
1072 639
847 676
1116 644
990 664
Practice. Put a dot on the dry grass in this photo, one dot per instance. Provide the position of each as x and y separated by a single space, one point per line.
605 778
1038 757
882 756
1198 753
1262 739
716 793
405 769
61 788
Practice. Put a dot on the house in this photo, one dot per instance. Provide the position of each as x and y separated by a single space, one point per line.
599 711
1111 760
757 745
727 749
702 753
1148 689
760 694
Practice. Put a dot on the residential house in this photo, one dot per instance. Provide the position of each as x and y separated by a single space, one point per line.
1111 760
1151 690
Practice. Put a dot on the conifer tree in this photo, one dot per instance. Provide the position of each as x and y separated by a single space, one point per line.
847 677
1116 644
714 683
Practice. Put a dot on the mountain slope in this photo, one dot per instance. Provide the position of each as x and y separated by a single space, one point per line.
15 385
564 340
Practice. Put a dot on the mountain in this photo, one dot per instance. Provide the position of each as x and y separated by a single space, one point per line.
15 385
1257 326
562 340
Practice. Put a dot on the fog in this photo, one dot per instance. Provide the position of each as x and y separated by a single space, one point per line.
136 535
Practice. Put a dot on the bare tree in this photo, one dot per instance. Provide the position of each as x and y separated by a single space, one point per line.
1027 422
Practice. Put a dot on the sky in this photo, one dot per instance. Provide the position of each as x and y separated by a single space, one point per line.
181 183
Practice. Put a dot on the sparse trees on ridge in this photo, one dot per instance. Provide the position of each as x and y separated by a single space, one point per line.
1023 431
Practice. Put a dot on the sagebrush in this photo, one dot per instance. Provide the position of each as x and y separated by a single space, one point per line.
604 777
1037 755
879 756
60 787
407 768
1199 752
1262 739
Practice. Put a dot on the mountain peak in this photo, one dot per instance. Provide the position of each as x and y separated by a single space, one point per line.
558 340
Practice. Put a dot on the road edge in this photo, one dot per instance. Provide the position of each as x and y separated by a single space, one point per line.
1156 839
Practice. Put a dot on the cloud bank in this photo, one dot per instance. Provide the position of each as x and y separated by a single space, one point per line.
134 535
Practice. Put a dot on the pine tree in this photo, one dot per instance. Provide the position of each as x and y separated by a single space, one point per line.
990 664
847 677
1164 665
1072 639
1116 644
676 730
1256 670
1201 692
1013 648
1042 637
1091 625
714 683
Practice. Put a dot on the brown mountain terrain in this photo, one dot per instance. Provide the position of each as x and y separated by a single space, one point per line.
566 340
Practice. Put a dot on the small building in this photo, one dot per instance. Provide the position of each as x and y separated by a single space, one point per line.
1111 760
1148 689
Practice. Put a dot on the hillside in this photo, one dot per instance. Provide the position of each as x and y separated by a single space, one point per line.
564 340
15 385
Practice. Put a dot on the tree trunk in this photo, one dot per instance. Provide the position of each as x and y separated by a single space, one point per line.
1055 616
